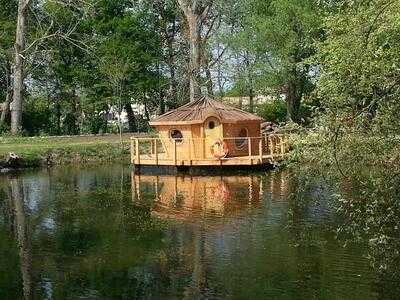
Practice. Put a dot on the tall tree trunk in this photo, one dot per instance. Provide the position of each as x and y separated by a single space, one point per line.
6 108
219 80
58 116
171 66
210 89
195 57
131 117
209 83
146 112
162 103
18 84
293 100
251 98
250 83
194 21
6 105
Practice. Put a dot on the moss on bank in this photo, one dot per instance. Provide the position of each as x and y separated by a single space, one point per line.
45 151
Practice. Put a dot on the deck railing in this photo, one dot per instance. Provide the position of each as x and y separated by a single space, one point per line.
274 146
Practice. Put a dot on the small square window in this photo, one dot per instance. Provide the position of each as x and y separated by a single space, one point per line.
176 135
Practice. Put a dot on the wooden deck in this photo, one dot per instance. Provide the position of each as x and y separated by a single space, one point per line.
150 152
229 161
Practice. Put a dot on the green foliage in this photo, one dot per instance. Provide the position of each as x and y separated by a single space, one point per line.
94 123
278 37
363 173
355 145
359 63
4 129
273 111
7 37
37 116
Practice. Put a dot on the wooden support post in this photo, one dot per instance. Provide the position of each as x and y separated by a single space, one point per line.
271 146
203 147
176 189
249 142
139 198
190 151
156 151
175 160
157 184
281 140
260 149
132 152
137 152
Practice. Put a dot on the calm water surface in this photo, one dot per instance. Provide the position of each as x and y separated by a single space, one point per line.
104 233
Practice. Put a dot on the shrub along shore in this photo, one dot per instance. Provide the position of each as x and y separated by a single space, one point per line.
48 151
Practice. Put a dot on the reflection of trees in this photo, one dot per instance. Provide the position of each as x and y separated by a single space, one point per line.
87 237
21 233
370 209
366 213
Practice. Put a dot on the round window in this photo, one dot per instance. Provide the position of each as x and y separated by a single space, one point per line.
241 142
176 135
211 125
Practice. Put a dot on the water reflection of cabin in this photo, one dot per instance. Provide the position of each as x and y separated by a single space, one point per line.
207 132
189 197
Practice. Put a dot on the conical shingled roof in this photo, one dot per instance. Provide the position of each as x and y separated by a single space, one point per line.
199 110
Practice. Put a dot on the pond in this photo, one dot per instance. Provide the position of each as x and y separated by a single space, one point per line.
104 233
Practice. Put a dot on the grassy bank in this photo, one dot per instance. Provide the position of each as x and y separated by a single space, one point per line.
39 151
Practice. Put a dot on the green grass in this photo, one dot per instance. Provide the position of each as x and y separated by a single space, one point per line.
71 149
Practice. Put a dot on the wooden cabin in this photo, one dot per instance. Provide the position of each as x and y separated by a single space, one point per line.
207 132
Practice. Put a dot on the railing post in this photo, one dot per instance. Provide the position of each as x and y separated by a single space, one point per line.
249 143
203 147
260 149
156 150
271 146
281 140
175 152
190 150
137 152
132 152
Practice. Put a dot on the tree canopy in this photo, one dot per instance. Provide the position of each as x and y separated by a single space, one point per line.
84 61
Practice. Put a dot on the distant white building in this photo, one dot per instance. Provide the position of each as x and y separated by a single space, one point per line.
244 101
112 116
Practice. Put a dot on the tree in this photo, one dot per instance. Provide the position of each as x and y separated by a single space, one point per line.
359 65
41 31
279 36
7 37
196 13
128 52
19 60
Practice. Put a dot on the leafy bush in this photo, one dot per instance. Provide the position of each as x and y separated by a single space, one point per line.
36 116
94 123
4 129
273 111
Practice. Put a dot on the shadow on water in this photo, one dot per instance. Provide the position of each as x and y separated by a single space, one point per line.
105 233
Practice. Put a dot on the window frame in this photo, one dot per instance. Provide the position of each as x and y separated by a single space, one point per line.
177 140
243 141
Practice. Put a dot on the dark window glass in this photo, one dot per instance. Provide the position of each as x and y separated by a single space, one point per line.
241 143
176 135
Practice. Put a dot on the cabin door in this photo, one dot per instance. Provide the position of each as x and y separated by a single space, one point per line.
212 132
